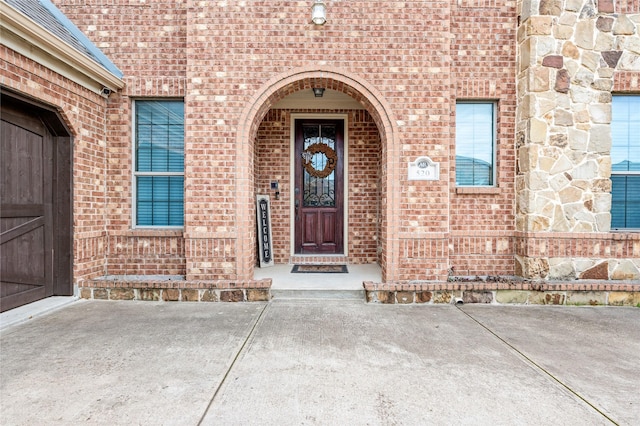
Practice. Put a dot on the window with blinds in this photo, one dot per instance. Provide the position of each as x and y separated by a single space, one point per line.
475 143
625 162
159 163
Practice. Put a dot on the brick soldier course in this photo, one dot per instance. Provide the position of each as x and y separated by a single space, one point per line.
541 234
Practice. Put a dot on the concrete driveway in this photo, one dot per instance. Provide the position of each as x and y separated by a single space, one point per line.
321 362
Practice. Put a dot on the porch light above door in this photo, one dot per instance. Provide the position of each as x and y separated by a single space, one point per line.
319 12
318 92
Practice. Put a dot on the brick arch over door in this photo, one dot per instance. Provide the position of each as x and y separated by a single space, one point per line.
280 87
35 203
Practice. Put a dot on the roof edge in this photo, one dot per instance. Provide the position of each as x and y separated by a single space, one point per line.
82 38
15 22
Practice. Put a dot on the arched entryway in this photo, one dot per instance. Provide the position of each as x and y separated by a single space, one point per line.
267 152
35 198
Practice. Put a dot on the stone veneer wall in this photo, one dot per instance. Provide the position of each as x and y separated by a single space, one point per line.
571 54
173 289
505 291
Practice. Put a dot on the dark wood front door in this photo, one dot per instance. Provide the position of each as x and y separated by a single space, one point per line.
35 245
318 190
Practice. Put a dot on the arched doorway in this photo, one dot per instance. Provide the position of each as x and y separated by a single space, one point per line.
267 150
35 210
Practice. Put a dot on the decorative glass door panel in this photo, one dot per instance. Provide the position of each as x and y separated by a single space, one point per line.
318 186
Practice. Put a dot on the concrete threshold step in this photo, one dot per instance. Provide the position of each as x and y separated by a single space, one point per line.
334 294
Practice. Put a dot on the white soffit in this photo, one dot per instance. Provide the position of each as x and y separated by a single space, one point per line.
331 99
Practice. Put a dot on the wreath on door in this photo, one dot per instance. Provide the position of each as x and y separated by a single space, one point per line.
329 166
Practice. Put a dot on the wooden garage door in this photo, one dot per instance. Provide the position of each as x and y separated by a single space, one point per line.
28 197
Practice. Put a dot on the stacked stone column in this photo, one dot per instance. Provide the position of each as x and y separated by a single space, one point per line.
568 54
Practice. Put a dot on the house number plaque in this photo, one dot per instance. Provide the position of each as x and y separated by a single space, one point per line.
424 169
263 221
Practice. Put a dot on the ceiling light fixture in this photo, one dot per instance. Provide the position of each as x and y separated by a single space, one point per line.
318 92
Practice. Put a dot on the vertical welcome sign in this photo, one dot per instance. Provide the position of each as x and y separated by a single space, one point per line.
263 221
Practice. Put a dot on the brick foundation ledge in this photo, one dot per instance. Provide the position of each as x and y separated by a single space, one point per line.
507 292
174 290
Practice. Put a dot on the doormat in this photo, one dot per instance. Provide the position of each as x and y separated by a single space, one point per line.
319 269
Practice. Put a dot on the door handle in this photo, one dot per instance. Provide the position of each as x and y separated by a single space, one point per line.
297 204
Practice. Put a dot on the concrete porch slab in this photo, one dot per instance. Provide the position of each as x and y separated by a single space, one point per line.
283 279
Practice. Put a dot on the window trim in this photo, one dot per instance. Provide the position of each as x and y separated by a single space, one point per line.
494 136
619 172
135 174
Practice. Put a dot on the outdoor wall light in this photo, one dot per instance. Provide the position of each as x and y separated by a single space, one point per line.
319 13
318 92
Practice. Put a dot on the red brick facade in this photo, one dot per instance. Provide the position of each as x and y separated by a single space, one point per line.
405 62
85 115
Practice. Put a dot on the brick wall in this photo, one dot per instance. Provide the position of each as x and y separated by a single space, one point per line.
482 220
147 253
405 62
147 41
364 188
273 151
85 115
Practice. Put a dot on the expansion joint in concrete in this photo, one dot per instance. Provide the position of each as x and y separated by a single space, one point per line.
537 366
233 362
